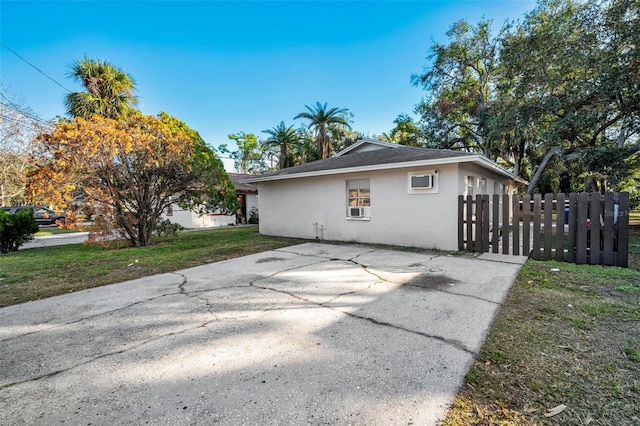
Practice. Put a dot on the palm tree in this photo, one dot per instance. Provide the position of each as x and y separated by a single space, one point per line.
285 139
110 91
320 120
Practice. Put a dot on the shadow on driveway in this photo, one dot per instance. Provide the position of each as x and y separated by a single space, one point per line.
309 334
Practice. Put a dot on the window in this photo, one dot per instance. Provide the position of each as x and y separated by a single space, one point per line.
358 198
470 185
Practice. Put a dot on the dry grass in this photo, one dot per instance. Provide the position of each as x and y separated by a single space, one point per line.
568 338
37 273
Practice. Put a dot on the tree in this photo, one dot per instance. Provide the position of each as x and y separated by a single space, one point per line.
18 127
320 120
129 171
285 140
571 66
110 91
249 157
460 87
406 132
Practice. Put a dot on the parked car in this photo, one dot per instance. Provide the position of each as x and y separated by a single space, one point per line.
42 215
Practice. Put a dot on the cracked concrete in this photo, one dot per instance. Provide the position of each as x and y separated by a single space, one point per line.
309 334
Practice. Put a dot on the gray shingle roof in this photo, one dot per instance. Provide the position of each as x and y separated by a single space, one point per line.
243 188
400 154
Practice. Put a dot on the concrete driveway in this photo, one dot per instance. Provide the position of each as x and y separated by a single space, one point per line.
308 334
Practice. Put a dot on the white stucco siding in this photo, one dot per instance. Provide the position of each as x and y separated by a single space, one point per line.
190 219
251 201
490 178
317 208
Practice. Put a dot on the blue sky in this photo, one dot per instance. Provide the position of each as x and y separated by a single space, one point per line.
225 67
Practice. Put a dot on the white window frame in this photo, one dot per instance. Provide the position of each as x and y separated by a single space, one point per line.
470 184
434 182
358 195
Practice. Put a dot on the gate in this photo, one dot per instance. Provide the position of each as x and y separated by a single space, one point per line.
583 228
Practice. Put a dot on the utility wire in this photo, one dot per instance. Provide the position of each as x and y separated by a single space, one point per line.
26 114
30 64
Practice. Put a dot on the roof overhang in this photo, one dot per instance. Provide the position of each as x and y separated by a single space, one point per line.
478 159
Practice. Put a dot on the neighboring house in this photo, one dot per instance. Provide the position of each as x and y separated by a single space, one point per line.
247 197
378 192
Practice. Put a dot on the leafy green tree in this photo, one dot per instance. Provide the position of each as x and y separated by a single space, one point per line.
320 119
249 157
406 132
285 140
110 92
460 86
570 66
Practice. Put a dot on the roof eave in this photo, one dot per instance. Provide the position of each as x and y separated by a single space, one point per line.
387 166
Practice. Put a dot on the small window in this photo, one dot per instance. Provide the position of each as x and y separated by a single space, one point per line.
471 185
358 198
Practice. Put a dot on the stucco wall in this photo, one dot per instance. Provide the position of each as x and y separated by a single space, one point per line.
317 208
190 219
491 178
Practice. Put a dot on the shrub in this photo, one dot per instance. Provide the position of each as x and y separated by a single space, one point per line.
16 229
254 216
166 227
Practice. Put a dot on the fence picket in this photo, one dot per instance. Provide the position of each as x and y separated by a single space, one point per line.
560 219
598 226
526 225
594 232
608 232
495 237
516 225
535 252
505 224
548 225
623 230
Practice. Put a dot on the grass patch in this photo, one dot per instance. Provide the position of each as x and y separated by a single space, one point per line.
37 273
567 337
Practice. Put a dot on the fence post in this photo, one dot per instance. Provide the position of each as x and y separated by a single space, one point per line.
526 224
548 224
596 211
535 252
560 227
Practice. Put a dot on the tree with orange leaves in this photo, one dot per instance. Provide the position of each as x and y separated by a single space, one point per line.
129 171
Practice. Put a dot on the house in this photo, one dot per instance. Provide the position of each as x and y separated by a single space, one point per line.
247 197
378 192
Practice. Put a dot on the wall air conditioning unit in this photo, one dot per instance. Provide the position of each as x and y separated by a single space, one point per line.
356 211
422 181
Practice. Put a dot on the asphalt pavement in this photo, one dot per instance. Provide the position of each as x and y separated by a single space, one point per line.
309 334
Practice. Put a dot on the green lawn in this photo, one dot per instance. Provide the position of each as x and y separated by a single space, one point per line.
36 273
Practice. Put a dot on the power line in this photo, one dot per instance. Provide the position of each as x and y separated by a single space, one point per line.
30 64
26 114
